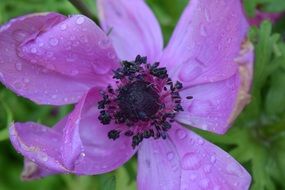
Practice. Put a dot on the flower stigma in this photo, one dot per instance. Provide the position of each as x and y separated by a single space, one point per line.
144 102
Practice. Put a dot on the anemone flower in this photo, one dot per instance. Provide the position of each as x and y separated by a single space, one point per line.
130 94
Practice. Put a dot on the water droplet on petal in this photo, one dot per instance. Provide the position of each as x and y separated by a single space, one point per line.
204 183
190 161
170 155
43 156
189 73
41 44
63 26
233 169
104 44
82 154
201 141
26 80
2 77
181 134
80 20
33 50
20 35
83 39
18 66
111 55
213 159
74 72
207 168
207 15
203 30
53 41
100 68
193 176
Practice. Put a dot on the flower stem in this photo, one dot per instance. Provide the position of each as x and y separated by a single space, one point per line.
82 8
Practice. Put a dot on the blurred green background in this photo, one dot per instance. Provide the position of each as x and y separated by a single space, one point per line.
257 139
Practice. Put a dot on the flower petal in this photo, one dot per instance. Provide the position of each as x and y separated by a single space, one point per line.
215 105
32 58
75 47
204 165
211 106
206 41
158 165
87 148
261 16
132 27
33 171
39 144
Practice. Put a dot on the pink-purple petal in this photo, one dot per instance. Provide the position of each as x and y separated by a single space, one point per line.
206 41
39 144
211 106
87 148
132 27
33 171
75 47
158 165
262 16
29 75
206 166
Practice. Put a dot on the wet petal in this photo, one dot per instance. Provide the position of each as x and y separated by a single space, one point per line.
206 41
33 171
31 66
75 47
204 165
215 105
211 106
87 148
158 166
39 144
132 27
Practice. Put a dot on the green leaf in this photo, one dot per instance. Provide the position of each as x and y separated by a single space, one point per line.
124 180
275 99
109 182
274 6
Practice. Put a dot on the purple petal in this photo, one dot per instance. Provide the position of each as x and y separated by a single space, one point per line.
75 47
78 144
35 51
211 106
158 166
132 27
215 105
39 144
206 41
33 171
206 166
87 148
261 16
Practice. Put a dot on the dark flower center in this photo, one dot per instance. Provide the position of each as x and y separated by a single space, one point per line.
143 104
138 101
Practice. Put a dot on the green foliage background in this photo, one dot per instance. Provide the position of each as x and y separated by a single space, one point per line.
257 139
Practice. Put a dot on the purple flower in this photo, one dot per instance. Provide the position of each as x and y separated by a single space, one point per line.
200 79
261 16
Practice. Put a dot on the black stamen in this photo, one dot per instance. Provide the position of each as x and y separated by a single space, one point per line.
104 117
113 134
138 102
